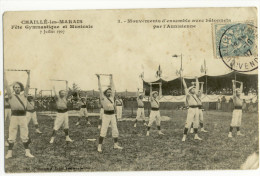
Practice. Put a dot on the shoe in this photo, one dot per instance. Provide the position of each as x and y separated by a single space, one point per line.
145 124
230 135
197 138
68 139
203 130
52 140
147 133
9 154
184 138
161 133
77 123
38 131
116 146
240 134
99 126
28 153
88 123
99 149
135 125
6 144
191 130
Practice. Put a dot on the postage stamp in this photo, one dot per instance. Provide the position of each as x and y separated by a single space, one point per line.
236 45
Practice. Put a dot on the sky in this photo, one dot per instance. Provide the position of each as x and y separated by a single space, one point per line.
124 50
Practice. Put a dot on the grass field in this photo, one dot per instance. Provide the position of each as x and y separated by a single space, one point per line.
140 153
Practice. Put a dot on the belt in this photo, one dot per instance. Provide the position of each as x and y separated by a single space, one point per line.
62 110
110 112
118 105
193 106
18 113
7 107
30 110
84 106
155 109
140 107
238 107
200 106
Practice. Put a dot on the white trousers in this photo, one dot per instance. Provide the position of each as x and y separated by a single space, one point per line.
33 116
106 120
192 117
140 113
119 112
154 116
61 119
15 123
236 118
101 113
83 112
8 113
200 116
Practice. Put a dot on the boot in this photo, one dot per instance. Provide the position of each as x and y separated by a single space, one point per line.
28 153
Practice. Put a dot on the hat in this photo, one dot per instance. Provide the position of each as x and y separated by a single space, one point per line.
20 84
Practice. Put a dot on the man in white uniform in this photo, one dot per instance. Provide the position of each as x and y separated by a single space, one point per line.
62 117
83 112
18 120
199 91
140 111
237 112
107 100
155 112
192 102
31 114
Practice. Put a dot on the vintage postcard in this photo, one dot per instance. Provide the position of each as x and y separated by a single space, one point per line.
131 90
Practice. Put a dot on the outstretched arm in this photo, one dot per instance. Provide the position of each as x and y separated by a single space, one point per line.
201 88
8 90
112 85
234 87
137 93
100 88
55 93
185 86
27 87
197 85
241 87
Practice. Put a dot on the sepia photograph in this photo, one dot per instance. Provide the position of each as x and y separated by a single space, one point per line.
152 89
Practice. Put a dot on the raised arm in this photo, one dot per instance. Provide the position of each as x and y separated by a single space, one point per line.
151 90
137 93
55 93
241 87
201 88
112 85
234 87
197 85
8 90
100 88
185 86
27 87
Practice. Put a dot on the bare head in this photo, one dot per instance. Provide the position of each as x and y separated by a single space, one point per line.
155 94
192 90
141 97
62 93
30 98
108 92
18 87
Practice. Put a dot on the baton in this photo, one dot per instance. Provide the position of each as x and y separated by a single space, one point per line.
155 83
58 80
16 70
104 74
195 82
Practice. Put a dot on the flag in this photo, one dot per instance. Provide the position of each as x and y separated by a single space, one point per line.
159 72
